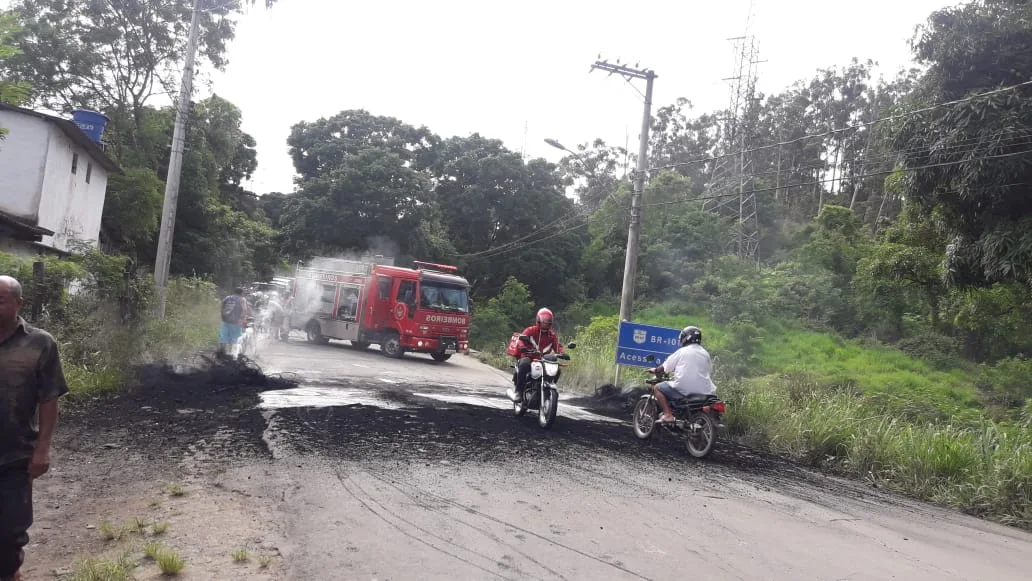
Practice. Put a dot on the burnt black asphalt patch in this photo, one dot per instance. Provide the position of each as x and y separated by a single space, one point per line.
168 408
168 411
431 431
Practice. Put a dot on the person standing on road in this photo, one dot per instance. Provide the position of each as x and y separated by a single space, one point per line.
31 381
234 317
691 368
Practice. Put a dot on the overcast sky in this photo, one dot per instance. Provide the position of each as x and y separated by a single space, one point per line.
519 71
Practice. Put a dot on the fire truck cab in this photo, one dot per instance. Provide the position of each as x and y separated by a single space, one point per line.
424 309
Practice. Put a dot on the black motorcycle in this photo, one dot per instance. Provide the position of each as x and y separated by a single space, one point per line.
698 418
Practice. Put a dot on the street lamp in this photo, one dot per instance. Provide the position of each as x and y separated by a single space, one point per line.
558 145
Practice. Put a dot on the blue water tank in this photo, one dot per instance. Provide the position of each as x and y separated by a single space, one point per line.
91 123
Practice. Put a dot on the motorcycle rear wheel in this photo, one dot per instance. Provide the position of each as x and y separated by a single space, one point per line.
644 419
699 442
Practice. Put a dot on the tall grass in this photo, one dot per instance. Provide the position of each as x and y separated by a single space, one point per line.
100 313
99 354
983 468
902 382
863 411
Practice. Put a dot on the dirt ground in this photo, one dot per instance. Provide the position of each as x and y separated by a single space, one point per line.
165 453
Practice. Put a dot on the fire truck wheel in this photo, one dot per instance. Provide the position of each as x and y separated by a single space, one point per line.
314 334
391 347
441 357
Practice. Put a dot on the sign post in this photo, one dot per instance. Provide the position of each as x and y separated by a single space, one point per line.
635 342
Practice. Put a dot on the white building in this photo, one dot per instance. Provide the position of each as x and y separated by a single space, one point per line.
53 181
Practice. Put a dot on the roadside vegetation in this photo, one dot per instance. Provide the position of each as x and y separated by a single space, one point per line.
870 314
100 311
882 328
856 409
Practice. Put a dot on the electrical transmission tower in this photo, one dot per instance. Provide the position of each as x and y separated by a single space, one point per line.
731 173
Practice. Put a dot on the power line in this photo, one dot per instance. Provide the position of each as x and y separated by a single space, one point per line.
516 244
581 213
502 250
818 182
953 148
553 224
845 129
959 148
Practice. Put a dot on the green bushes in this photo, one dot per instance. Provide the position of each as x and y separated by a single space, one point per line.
858 409
1008 382
980 467
936 349
98 308
594 361
510 311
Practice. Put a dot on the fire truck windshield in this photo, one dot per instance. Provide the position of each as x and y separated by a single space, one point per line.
444 298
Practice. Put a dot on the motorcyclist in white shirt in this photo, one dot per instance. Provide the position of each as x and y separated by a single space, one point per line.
690 366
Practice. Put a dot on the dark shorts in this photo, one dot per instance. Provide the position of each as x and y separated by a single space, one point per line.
15 515
670 393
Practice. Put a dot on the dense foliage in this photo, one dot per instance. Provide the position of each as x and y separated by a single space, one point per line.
895 210
887 271
117 58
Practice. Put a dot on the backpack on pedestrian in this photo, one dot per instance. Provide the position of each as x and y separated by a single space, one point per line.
232 309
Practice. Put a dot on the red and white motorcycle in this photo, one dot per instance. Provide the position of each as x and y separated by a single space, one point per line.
541 391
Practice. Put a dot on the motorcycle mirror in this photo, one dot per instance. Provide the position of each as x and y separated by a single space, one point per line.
572 345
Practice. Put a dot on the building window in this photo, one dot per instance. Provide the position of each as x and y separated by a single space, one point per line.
75 163
89 172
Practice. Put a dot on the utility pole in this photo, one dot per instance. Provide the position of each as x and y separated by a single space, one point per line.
175 168
634 229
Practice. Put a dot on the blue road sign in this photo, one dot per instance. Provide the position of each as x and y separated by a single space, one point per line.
637 341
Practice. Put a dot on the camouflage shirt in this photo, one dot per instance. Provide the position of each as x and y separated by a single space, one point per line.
30 374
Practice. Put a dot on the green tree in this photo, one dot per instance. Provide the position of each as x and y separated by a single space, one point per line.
594 171
132 207
967 166
214 236
993 322
510 311
272 206
490 199
360 179
115 56
12 92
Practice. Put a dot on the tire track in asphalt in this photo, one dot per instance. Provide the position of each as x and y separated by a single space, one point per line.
425 506
384 510
383 478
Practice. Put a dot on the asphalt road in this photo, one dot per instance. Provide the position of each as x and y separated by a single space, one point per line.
408 469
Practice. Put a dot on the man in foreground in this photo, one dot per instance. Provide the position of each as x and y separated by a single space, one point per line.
31 381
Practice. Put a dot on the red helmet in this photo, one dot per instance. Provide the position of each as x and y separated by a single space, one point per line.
544 318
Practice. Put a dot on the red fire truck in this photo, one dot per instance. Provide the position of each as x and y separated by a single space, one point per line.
424 309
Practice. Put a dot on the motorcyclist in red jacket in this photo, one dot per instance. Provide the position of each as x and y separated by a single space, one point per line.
546 342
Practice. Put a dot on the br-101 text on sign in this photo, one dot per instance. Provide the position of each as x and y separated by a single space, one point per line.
636 342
